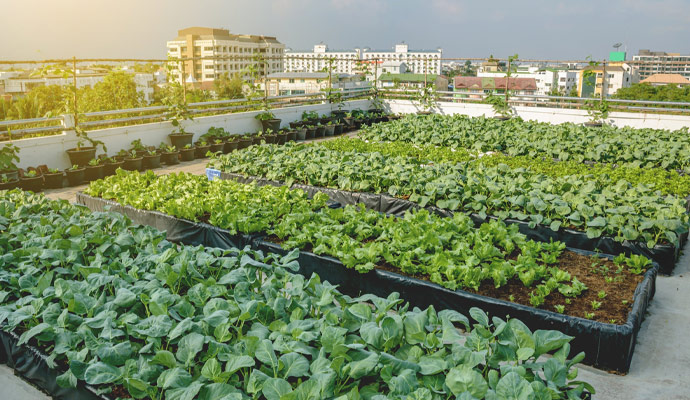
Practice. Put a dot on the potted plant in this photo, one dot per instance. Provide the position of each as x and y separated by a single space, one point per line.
281 137
349 121
269 137
8 157
230 144
121 155
81 155
426 99
187 153
310 132
53 179
170 155
301 133
502 109
338 130
202 148
244 142
133 162
320 131
268 121
139 147
217 145
94 170
329 128
111 165
291 135
8 184
598 111
177 112
75 175
31 181
152 159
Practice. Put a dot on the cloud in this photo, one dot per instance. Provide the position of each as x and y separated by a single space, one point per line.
449 8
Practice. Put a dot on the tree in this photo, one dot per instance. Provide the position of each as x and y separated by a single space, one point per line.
645 91
148 68
228 88
117 91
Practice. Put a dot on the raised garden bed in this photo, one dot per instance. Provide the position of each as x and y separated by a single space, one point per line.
666 255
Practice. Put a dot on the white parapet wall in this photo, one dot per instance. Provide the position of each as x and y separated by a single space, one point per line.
549 114
51 150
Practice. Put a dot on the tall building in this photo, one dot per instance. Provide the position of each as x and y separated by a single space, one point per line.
351 61
618 75
417 61
345 61
659 62
237 50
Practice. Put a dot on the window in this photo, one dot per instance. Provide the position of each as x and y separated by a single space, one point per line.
208 66
609 76
291 81
210 76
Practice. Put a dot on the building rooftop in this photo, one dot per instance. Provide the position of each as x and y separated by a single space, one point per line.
472 82
306 75
201 33
407 77
673 79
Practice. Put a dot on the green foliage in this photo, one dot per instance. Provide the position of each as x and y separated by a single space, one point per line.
500 105
645 91
119 305
621 210
9 155
569 142
227 87
117 91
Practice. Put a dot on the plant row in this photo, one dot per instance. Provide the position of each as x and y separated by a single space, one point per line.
621 210
118 307
647 148
658 179
447 251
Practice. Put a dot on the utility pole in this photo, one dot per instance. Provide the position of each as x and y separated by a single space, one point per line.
184 83
603 81
74 83
508 79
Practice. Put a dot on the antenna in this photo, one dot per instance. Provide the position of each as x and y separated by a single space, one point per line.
617 46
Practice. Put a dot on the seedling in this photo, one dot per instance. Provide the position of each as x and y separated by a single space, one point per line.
560 308
595 305
601 294
589 315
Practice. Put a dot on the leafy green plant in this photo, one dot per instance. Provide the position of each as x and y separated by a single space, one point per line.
500 105
75 167
589 315
53 171
95 162
560 308
265 116
595 305
31 174
161 321
602 294
137 145
9 155
598 110
426 97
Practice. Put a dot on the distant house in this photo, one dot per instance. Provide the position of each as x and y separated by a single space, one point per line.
666 79
408 80
475 87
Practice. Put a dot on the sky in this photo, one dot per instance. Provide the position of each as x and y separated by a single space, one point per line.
544 29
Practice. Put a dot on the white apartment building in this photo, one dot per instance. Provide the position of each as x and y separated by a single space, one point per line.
344 61
349 61
660 62
548 79
417 61
618 75
236 52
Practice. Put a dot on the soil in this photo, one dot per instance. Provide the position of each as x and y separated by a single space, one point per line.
612 309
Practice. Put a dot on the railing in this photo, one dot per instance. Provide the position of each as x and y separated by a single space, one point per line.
133 116
661 107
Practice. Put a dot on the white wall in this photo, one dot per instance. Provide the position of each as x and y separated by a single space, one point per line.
50 150
551 115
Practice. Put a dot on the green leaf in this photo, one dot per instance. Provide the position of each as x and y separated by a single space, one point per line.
100 373
364 367
235 362
294 365
275 388
431 365
164 358
188 347
547 341
184 393
267 355
174 378
513 387
36 330
465 379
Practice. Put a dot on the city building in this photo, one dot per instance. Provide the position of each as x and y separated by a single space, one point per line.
412 80
351 61
417 61
344 61
476 87
666 79
235 52
658 62
618 75
288 83
549 80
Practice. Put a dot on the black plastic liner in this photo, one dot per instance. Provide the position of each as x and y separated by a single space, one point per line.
176 229
666 255
607 346
30 363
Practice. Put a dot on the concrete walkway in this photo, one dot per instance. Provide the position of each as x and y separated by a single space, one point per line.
660 367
